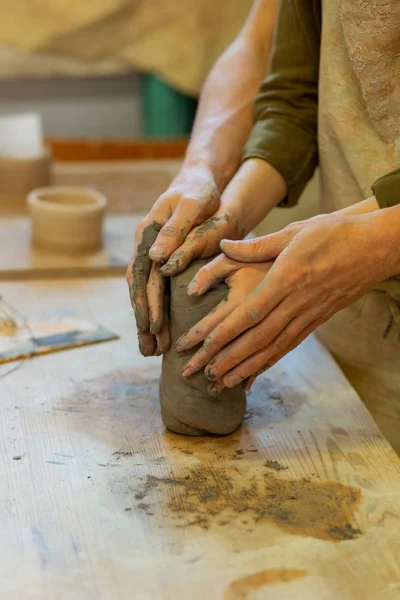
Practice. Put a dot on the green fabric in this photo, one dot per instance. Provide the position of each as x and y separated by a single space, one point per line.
286 108
387 189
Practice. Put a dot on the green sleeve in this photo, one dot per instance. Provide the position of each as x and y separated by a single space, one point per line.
286 108
387 189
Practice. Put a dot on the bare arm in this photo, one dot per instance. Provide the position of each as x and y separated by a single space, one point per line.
192 201
225 114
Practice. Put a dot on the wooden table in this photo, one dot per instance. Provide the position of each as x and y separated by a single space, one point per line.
98 502
19 261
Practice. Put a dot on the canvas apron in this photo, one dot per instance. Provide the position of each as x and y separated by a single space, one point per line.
359 141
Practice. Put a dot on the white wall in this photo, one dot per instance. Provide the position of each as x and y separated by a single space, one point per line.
91 108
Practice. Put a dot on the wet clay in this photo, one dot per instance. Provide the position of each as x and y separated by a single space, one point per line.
141 270
186 406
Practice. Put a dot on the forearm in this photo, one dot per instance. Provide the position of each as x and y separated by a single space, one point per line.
254 191
386 224
225 115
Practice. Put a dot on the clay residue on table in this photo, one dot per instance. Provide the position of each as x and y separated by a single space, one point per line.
301 507
240 588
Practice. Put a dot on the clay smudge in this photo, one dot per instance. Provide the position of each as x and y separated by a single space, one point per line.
322 510
273 464
240 588
140 272
122 454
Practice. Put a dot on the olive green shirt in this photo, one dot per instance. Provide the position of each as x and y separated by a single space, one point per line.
286 108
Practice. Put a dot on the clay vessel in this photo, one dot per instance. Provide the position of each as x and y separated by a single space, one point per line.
67 219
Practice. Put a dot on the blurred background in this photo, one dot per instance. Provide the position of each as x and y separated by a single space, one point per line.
117 69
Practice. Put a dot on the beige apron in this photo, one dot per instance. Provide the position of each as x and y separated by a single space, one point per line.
359 141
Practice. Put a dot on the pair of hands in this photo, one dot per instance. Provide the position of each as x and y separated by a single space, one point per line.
320 266
281 286
187 222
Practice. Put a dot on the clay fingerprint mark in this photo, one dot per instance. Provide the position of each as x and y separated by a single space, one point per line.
240 588
213 497
272 403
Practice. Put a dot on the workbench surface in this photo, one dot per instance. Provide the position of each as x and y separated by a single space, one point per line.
20 261
98 501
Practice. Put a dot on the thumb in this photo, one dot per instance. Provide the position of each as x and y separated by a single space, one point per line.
257 249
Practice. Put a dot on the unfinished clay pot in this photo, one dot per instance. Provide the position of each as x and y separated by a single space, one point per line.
67 219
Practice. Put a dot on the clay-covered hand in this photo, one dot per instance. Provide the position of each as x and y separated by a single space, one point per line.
171 237
190 200
241 279
321 266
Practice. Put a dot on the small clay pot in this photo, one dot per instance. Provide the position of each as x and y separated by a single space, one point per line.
19 176
67 219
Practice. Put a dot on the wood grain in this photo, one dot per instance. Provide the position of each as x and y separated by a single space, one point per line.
97 501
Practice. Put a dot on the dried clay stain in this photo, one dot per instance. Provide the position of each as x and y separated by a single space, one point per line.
240 588
323 510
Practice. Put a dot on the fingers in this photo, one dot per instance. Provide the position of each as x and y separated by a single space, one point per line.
257 249
190 211
138 272
172 235
215 388
155 298
262 360
216 270
201 330
202 240
147 343
262 335
256 306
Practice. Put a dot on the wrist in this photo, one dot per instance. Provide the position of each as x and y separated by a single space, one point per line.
385 227
253 192
203 161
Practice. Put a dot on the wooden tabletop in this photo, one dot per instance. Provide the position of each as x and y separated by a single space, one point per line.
20 261
98 502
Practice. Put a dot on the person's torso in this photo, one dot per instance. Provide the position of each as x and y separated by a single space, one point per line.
359 98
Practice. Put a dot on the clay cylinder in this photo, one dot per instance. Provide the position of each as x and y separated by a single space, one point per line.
67 219
19 176
186 406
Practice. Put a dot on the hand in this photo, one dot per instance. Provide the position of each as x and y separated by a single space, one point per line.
190 200
241 279
322 265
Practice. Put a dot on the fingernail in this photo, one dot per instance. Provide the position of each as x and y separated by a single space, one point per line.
249 383
213 390
233 380
158 252
223 242
192 288
180 346
168 268
188 371
211 375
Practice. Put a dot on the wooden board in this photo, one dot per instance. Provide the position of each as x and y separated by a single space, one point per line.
18 260
98 502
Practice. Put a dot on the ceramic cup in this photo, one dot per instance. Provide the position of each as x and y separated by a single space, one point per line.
67 219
